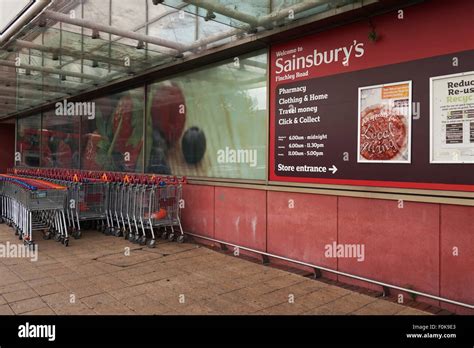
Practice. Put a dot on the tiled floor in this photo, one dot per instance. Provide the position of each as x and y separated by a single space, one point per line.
99 275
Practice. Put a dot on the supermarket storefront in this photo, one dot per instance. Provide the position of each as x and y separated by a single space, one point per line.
359 135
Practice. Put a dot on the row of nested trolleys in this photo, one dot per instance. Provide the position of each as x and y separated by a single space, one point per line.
138 207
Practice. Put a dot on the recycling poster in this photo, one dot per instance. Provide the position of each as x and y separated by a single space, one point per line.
452 118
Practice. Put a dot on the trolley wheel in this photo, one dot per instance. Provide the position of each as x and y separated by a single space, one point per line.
2 221
57 237
131 237
171 236
66 242
136 239
16 232
77 234
118 233
180 239
164 235
32 246
142 240
151 243
46 236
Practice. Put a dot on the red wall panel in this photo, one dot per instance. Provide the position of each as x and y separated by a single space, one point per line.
401 244
7 149
457 272
302 232
198 213
240 217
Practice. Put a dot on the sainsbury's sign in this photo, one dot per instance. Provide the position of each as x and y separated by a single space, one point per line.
297 61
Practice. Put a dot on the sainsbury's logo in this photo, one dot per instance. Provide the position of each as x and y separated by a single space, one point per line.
316 58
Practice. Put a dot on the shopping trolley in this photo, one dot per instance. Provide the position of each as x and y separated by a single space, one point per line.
164 210
139 209
88 204
30 205
113 202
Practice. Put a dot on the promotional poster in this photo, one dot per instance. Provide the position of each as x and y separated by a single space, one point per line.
452 118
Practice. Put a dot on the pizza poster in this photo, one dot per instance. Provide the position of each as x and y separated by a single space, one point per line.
452 118
385 123
348 110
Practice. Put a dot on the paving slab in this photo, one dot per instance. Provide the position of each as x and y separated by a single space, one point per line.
95 275
20 295
28 305
5 310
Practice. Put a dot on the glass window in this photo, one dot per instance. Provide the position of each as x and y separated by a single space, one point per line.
112 139
60 141
210 122
28 141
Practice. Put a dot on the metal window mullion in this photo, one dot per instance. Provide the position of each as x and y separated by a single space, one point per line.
146 28
41 113
145 103
82 42
110 35
17 75
267 122
60 46
41 139
196 26
42 62
79 148
16 143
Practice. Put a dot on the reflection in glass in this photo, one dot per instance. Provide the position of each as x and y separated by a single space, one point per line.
60 141
28 141
113 139
210 122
